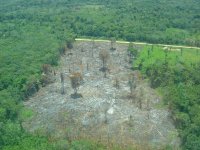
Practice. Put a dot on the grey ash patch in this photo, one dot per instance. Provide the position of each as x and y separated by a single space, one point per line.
104 112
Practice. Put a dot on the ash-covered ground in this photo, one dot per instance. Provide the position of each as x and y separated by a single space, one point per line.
104 112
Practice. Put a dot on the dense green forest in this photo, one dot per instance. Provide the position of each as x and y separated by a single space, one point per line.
158 21
32 32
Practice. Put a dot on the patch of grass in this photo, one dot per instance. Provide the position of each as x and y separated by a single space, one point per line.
26 113
150 55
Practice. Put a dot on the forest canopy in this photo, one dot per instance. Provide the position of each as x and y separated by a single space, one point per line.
154 21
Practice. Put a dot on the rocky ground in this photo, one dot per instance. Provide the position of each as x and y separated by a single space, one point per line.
104 112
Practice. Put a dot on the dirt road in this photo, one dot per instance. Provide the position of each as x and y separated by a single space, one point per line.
139 43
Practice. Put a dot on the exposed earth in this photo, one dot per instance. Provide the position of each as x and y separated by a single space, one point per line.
104 112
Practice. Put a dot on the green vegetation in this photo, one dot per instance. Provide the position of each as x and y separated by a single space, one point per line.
176 73
160 21
22 56
32 32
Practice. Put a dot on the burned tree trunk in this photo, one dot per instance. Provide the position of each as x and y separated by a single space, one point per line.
62 83
93 46
116 84
132 84
104 56
112 44
87 66
76 81
148 108
141 97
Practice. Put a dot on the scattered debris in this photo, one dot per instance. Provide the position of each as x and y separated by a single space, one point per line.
103 111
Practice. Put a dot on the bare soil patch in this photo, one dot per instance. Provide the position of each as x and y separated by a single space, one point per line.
103 112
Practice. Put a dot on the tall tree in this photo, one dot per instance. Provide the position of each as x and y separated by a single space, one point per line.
76 80
62 83
141 97
93 46
104 56
112 44
132 84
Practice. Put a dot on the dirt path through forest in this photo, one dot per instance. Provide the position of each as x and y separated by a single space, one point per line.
138 43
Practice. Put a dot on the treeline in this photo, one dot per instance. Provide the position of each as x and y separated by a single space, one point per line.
158 21
176 74
25 46
20 73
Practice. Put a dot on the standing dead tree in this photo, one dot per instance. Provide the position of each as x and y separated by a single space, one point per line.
62 83
69 43
148 108
132 84
69 46
93 46
132 52
63 50
131 121
88 66
141 97
116 83
112 44
76 81
104 56
46 69
47 74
